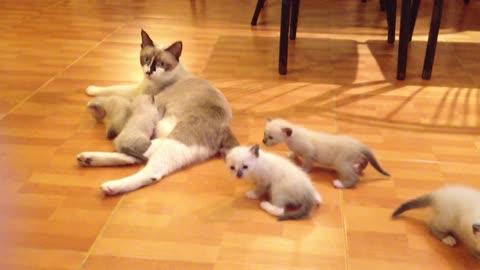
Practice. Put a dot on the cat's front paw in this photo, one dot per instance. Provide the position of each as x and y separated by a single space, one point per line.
449 241
251 195
92 90
318 198
112 187
338 184
84 160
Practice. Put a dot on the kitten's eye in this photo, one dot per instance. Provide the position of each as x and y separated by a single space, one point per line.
270 137
232 168
146 59
245 167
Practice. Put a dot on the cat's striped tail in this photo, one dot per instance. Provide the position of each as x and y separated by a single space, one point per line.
420 202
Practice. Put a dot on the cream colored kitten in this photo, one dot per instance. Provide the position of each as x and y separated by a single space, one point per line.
456 215
286 183
345 154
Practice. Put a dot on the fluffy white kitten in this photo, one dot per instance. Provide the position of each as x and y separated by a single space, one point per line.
345 154
456 215
286 183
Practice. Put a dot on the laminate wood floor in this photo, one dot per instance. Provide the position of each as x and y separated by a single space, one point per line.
341 79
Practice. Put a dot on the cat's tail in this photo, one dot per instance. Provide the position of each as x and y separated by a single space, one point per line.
228 141
420 202
131 152
371 158
308 204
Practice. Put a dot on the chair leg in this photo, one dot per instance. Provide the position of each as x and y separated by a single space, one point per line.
413 18
382 5
294 20
432 39
403 42
364 1
466 2
259 7
283 53
391 6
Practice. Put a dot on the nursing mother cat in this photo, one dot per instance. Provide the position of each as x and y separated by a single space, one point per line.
195 125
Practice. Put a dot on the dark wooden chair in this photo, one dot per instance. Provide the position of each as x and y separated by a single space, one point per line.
407 25
287 24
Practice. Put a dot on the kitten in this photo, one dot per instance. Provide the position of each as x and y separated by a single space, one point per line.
456 215
135 137
195 125
346 155
113 111
286 183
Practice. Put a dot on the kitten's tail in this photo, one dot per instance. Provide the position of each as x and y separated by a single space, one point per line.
371 158
133 153
420 202
304 210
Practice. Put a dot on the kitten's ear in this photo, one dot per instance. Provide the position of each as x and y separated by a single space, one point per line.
255 150
269 119
287 131
476 229
175 49
97 110
146 40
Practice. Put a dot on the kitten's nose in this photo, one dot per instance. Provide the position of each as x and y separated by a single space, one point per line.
264 141
239 174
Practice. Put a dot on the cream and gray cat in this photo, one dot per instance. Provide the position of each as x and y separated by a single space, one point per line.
456 215
345 154
195 126
280 178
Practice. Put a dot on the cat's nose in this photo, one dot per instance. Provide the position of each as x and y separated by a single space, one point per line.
264 141
149 72
239 174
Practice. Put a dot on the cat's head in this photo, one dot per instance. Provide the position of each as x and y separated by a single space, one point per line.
276 131
241 160
159 64
113 111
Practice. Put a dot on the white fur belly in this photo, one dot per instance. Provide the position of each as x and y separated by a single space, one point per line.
165 126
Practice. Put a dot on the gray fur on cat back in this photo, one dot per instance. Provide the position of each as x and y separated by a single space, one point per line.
202 112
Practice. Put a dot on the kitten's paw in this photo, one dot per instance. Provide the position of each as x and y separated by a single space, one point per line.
291 155
84 160
272 209
338 184
92 90
113 187
318 198
251 195
449 241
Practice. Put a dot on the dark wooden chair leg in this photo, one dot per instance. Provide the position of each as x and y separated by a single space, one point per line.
466 2
413 18
259 7
391 6
382 5
283 52
294 20
432 39
403 40
364 1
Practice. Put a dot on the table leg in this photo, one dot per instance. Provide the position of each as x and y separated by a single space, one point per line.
284 25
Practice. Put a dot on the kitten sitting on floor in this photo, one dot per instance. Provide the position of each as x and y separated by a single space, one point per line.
456 215
347 155
286 183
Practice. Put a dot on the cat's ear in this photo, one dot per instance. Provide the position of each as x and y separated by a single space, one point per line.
288 131
146 40
175 49
255 150
269 119
97 110
476 229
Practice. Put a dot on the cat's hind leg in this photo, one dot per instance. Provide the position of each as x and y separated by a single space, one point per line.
441 233
272 209
102 159
129 90
347 176
164 157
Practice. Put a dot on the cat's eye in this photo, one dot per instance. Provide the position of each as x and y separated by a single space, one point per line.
245 167
232 168
270 137
146 59
161 64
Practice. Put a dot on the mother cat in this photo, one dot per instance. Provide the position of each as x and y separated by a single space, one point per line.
195 126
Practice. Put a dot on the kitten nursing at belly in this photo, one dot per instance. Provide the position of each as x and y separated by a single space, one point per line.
456 215
280 178
345 154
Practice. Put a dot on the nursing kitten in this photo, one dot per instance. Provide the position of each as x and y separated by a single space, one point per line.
286 183
195 125
456 215
113 111
345 154
135 137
